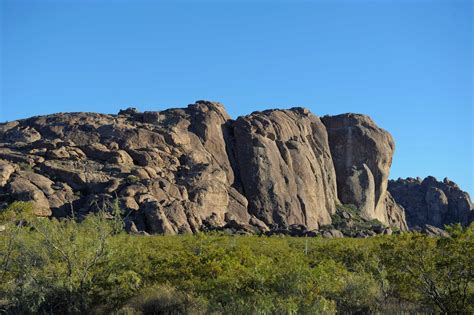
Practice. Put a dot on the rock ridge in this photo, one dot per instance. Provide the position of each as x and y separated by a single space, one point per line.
184 170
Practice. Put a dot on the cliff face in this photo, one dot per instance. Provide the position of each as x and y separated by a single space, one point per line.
431 202
285 167
185 170
362 155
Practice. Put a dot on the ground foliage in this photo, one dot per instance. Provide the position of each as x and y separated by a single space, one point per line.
91 266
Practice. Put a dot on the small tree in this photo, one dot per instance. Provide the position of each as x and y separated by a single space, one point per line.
437 271
50 265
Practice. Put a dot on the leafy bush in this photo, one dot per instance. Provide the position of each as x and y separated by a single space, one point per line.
162 300
18 210
350 222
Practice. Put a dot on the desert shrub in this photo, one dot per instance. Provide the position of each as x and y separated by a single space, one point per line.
352 209
50 265
16 211
25 167
438 273
132 179
360 294
162 300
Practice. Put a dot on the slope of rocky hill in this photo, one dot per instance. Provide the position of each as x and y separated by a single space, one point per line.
190 169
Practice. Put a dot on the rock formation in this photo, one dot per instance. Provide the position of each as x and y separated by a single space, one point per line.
430 202
191 169
362 155
285 167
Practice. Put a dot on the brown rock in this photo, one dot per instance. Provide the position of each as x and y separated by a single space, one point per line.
121 157
61 202
40 181
6 170
156 219
79 175
132 190
22 189
19 157
332 234
24 134
362 154
97 151
60 153
431 230
141 173
395 213
432 202
129 203
285 167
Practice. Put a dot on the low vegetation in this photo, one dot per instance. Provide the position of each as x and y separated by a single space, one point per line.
93 267
350 222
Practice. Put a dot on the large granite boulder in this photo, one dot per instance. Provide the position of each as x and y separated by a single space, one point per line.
285 167
362 154
395 213
6 170
432 202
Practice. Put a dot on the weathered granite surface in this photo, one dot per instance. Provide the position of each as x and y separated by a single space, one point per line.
191 169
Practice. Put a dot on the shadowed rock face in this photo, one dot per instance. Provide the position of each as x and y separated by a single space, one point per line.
362 155
432 202
185 170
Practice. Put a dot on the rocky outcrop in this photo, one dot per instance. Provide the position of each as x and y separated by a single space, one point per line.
178 170
6 170
431 202
430 230
169 170
362 155
191 169
285 167
395 213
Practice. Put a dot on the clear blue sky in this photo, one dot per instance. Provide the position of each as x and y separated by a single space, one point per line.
408 64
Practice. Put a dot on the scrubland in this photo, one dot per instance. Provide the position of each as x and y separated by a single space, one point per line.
91 266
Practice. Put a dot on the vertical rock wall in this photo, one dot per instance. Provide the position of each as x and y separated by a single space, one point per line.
362 155
285 167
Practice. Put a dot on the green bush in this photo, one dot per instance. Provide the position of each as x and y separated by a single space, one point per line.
16 211
162 300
